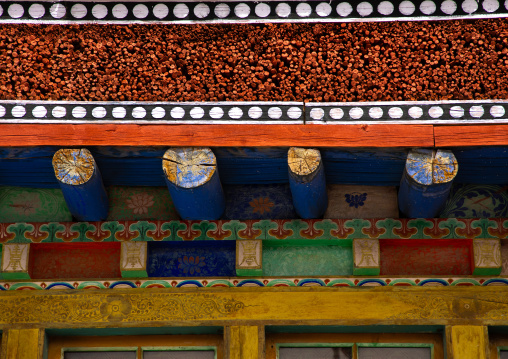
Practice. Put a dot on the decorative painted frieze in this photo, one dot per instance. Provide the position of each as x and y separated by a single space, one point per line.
15 261
487 257
165 12
133 258
427 112
249 257
264 229
151 113
255 112
366 257
211 282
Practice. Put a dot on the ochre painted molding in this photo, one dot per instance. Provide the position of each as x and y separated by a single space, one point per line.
249 306
467 342
23 344
218 135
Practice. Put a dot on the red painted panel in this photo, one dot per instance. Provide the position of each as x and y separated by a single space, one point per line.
75 260
425 257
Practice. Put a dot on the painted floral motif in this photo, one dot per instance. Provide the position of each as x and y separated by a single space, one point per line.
261 205
191 265
140 202
116 308
476 201
26 204
356 199
244 202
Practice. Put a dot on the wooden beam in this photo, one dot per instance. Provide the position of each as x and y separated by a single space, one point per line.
218 135
426 182
244 342
307 182
23 344
150 307
467 342
471 135
192 178
81 184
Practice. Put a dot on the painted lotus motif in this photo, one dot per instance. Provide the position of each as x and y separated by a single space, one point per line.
191 265
356 199
140 202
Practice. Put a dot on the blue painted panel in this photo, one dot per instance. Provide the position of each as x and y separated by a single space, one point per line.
130 166
259 202
31 166
244 165
374 167
191 259
482 165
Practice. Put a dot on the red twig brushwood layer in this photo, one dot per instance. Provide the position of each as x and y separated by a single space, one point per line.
313 62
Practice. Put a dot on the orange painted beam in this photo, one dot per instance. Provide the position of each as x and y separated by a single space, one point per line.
471 135
388 135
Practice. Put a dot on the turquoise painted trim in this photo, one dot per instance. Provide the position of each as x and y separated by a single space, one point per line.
401 280
311 345
472 281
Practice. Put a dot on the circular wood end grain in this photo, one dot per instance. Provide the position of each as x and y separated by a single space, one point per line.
189 167
303 161
73 166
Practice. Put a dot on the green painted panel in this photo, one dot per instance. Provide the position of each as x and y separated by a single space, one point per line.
19 204
288 260
140 203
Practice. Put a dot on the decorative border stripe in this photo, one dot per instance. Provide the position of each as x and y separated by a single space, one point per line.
151 113
408 112
256 282
190 12
297 229
347 113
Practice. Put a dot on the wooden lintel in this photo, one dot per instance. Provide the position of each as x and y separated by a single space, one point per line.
389 135
471 135
149 307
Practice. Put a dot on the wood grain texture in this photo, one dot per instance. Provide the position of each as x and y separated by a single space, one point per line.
243 342
467 342
473 135
214 135
23 344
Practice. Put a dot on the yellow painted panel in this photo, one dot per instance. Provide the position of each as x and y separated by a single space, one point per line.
23 344
467 342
